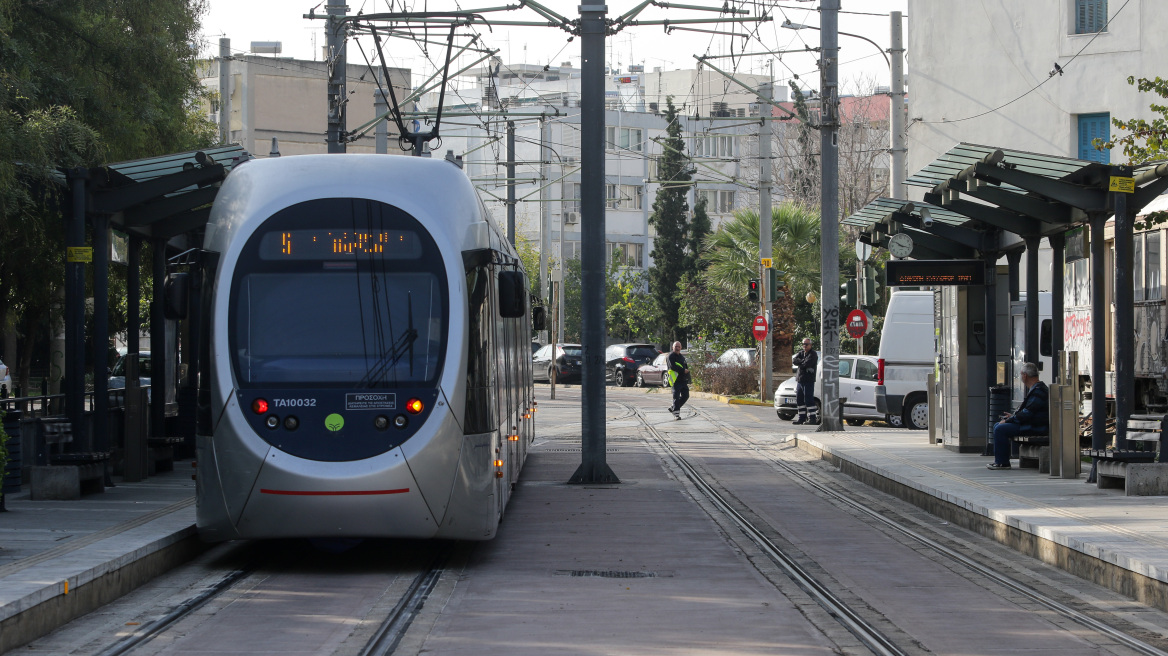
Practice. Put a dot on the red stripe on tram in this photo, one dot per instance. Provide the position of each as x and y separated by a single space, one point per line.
332 493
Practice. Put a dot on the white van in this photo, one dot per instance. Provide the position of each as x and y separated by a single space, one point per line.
906 357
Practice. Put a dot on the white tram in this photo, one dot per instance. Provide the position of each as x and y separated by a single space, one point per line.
369 372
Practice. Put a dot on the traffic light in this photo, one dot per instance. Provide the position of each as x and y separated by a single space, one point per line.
752 290
848 293
776 283
868 289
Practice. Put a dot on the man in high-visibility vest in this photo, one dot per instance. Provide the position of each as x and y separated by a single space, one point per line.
805 363
679 378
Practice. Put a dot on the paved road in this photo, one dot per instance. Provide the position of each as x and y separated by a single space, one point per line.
649 566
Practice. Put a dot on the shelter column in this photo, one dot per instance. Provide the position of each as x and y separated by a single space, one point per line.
158 350
1057 302
75 306
1098 334
1014 258
1125 314
101 237
1032 318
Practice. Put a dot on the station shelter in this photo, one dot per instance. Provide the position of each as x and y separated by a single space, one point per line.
983 205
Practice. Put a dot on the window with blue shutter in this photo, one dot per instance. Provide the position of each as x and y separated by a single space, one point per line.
1090 16
1092 127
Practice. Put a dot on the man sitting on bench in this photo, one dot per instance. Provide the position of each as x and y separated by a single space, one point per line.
1033 418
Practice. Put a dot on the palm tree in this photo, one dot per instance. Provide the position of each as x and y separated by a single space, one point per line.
732 255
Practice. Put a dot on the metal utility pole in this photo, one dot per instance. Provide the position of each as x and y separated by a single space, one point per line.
75 306
511 182
829 213
336 66
896 110
593 27
764 240
545 211
224 90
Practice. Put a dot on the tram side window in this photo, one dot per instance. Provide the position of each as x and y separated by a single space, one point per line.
480 388
1138 267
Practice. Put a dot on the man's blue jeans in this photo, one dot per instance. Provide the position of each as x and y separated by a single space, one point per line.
1003 431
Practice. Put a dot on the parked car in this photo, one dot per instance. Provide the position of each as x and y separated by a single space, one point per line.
535 346
567 362
654 373
621 361
740 356
5 381
117 378
857 384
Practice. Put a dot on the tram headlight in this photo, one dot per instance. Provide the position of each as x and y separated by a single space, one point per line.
401 421
414 406
259 406
381 422
272 421
291 423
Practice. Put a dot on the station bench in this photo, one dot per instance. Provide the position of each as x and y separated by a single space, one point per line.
65 475
1140 469
1033 452
161 454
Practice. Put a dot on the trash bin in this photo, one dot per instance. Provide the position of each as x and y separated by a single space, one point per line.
999 404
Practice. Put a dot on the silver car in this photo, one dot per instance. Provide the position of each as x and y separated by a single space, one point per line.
857 381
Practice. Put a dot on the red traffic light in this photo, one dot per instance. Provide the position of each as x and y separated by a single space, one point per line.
752 292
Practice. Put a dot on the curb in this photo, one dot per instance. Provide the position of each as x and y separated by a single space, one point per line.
48 595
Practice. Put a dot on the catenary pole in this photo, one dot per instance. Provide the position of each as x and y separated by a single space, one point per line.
224 90
593 467
764 239
829 213
1125 386
896 110
545 211
511 182
335 64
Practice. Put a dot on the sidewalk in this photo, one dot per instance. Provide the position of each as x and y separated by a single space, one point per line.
62 559
1110 539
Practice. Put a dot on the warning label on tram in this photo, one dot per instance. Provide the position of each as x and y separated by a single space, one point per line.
370 401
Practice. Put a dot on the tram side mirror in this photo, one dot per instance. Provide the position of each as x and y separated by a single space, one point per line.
538 317
512 295
177 290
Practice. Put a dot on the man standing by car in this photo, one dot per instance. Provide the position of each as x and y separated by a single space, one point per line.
679 378
805 363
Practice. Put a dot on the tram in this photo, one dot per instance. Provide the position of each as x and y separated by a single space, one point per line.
368 370
1151 366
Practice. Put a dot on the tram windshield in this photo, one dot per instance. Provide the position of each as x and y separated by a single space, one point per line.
339 316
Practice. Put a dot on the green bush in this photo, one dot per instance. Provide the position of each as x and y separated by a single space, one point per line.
729 379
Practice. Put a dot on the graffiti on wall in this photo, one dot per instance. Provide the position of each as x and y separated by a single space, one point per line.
1149 340
1077 337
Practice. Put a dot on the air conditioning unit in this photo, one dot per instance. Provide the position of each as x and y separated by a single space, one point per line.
571 217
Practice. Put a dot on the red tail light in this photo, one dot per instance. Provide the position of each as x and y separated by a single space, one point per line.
880 371
414 406
259 406
628 359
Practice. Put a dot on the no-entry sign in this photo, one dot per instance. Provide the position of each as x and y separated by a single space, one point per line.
760 328
857 324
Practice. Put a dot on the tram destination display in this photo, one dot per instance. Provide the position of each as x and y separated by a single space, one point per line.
333 244
920 273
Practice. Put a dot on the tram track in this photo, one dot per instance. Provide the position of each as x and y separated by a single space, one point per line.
766 451
1082 619
389 635
855 623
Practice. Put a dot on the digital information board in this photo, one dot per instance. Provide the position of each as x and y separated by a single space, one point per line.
920 273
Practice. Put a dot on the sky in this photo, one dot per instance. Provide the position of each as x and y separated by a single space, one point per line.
244 21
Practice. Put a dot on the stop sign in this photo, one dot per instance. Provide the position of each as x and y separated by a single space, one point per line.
857 324
760 328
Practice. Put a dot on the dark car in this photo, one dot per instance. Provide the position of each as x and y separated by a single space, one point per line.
621 361
654 372
568 362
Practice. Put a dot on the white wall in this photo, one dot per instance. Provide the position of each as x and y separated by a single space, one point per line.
966 58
